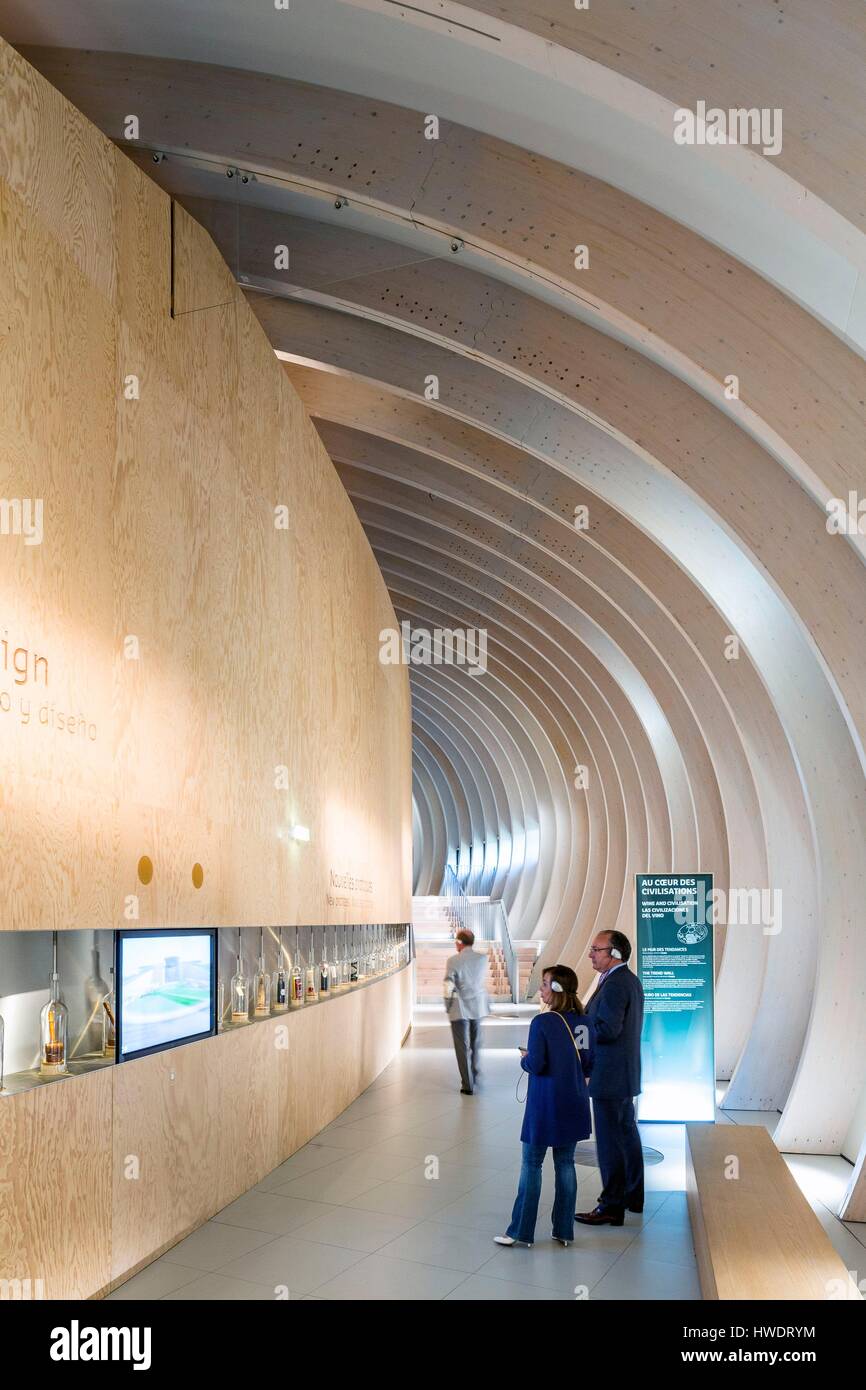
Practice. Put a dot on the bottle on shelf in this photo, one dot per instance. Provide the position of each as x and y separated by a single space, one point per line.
311 989
95 990
240 989
109 1013
280 991
261 983
53 1023
324 969
336 974
296 977
353 962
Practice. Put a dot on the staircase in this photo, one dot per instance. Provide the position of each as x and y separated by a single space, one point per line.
431 957
435 921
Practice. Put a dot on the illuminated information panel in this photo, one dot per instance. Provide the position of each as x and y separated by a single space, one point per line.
675 967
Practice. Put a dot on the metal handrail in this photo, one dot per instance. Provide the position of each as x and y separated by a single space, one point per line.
508 951
487 919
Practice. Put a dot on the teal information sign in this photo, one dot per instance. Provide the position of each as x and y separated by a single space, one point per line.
675 967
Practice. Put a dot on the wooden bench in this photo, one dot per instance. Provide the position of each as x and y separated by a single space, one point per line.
755 1235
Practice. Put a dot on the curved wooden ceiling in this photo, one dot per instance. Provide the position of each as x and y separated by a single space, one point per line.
609 648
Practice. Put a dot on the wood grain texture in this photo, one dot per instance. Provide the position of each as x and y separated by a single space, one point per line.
254 698
804 58
756 1237
55 1186
204 1123
100 1174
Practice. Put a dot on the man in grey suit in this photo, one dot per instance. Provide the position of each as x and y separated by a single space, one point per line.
466 1003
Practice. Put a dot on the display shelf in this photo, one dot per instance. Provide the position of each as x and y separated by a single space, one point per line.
225 1026
19 1081
29 1079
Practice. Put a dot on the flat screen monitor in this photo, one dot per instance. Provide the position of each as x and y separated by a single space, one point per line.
165 985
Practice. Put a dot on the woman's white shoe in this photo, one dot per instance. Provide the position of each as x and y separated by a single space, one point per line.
509 1240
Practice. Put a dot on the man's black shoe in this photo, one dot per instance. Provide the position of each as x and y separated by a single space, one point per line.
602 1216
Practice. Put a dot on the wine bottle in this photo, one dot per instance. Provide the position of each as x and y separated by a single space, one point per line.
109 1012
311 992
53 1023
280 992
240 990
262 983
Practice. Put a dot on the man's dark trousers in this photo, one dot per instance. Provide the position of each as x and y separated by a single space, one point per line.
466 1033
620 1155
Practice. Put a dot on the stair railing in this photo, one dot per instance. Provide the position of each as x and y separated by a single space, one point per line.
487 919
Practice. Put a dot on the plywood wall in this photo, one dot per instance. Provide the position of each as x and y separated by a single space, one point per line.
209 679
101 1173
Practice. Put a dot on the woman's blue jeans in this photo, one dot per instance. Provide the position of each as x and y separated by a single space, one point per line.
525 1211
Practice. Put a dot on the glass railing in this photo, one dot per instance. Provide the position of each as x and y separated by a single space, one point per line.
487 919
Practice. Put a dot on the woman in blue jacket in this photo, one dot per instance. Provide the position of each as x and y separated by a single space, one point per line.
559 1060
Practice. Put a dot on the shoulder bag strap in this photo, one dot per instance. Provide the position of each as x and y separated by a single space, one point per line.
569 1032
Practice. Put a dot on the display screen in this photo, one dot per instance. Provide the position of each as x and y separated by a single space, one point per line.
166 988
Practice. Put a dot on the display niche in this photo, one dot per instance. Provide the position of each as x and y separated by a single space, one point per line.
268 971
57 1006
61 1009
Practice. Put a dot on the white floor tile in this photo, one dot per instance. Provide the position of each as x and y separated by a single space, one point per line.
159 1279
634 1277
291 1263
406 1199
306 1160
326 1185
447 1246
219 1287
213 1244
354 1229
270 1212
379 1277
479 1288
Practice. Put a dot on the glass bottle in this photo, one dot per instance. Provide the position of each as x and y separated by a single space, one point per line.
240 1006
353 961
95 990
296 977
324 970
335 966
311 991
53 1023
261 983
280 992
336 976
109 1013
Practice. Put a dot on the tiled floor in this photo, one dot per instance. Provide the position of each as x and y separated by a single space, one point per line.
401 1196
